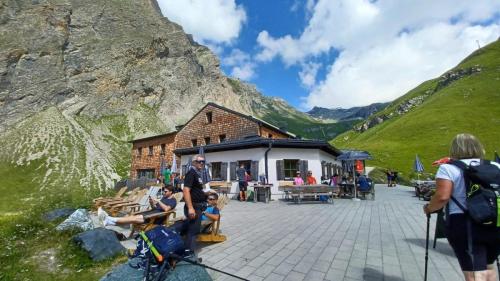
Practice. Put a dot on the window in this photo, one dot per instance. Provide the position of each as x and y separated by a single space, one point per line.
270 136
222 138
139 151
209 117
290 167
216 170
194 142
247 164
162 149
207 140
150 151
146 173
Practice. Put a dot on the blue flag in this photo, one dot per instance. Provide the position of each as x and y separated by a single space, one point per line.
418 166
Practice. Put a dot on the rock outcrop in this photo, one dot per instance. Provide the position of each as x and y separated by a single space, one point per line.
78 79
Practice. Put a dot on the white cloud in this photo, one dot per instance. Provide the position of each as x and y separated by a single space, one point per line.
386 47
308 74
295 6
242 65
210 21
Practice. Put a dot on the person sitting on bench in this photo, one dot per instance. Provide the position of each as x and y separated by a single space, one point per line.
211 214
166 204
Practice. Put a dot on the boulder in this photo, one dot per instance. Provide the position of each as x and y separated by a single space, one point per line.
58 213
80 219
100 243
183 271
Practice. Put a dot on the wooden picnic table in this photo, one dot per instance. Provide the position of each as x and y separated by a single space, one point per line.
297 192
262 188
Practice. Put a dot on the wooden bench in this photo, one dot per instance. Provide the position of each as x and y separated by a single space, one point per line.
284 187
298 192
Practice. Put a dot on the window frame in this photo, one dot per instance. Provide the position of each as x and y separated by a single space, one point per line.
222 138
207 142
194 142
216 170
150 150
291 169
209 117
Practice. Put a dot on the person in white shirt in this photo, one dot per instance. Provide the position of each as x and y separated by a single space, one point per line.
485 239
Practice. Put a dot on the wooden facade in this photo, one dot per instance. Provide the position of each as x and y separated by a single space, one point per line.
211 125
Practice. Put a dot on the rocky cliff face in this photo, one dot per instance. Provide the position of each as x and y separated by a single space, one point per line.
78 79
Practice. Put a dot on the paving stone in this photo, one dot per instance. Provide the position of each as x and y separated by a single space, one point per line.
335 274
264 270
366 240
314 275
295 276
321 266
284 268
274 277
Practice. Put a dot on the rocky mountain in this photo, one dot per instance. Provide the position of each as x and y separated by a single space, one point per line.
465 99
341 114
79 79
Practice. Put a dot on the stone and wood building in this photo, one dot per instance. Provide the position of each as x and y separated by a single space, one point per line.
230 138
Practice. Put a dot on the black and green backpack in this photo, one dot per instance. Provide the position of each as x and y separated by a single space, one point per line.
482 182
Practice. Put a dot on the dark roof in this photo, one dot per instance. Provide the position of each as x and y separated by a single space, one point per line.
249 117
153 137
261 142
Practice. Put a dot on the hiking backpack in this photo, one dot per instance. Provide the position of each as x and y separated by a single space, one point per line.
482 183
158 244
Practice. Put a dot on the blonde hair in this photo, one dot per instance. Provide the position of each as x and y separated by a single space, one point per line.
466 146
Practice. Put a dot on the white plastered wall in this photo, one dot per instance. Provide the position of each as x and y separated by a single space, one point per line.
313 156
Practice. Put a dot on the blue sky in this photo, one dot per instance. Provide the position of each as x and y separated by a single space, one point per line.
337 53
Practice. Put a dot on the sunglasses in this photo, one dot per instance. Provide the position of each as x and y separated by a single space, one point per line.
200 161
211 198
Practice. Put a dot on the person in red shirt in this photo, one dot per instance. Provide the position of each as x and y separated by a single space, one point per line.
310 179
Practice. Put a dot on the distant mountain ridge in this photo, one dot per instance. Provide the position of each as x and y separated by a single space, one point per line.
341 114
465 99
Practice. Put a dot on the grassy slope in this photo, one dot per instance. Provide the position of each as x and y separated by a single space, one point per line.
48 142
471 104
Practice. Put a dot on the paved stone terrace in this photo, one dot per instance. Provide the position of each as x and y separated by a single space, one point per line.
368 240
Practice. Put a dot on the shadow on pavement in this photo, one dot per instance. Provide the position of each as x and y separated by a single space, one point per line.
441 247
370 274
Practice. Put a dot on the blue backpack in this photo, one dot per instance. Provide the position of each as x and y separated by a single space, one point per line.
164 240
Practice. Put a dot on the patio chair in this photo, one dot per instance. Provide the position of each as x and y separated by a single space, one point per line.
212 233
132 197
142 204
370 191
109 201
117 196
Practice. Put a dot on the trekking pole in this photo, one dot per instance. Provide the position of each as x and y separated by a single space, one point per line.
206 266
427 246
498 269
